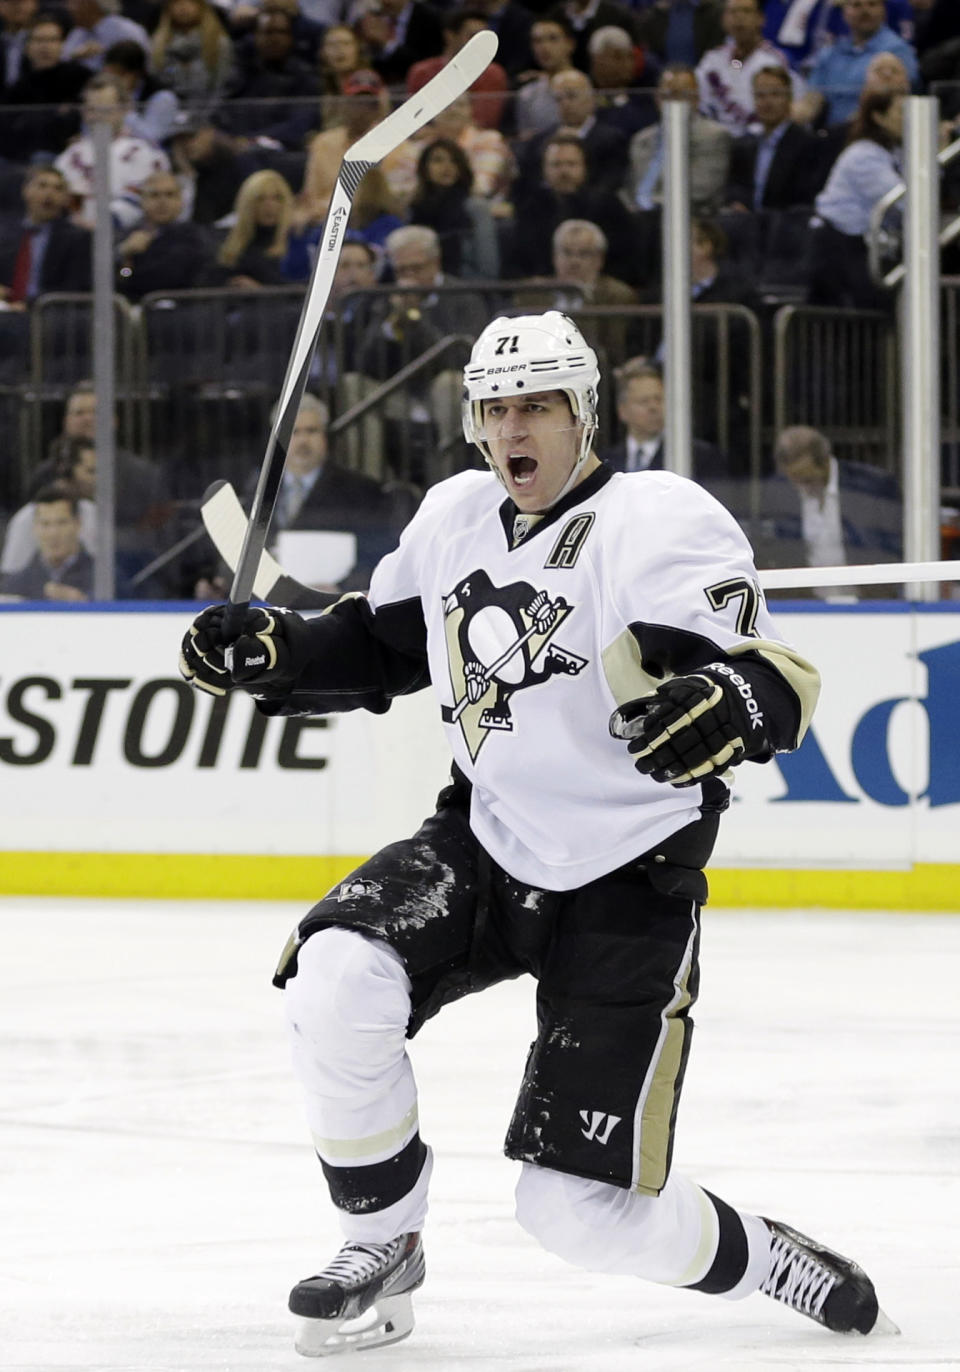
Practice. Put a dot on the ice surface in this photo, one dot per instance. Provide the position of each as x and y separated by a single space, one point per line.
158 1195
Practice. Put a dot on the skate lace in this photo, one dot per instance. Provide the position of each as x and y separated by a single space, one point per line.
358 1262
797 1279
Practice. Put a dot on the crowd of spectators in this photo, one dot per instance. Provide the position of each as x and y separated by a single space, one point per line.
228 120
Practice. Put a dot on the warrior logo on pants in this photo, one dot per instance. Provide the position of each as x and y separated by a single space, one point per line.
498 642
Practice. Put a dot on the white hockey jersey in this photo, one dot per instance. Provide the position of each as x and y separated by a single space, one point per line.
538 627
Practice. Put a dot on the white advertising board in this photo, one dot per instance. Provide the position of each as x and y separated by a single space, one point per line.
104 749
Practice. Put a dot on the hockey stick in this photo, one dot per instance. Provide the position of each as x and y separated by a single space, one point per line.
225 521
226 527
455 78
876 574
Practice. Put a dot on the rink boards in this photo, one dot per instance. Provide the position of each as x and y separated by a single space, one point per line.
117 778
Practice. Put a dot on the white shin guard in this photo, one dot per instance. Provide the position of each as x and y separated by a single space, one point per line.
347 1011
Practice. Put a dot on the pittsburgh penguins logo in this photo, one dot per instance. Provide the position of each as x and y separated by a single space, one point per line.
356 887
499 642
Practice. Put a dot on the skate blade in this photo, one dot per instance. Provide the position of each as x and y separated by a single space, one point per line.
389 1320
884 1324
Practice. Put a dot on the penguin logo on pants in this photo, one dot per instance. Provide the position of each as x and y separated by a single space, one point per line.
499 642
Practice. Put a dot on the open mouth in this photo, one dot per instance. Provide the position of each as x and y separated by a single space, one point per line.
522 469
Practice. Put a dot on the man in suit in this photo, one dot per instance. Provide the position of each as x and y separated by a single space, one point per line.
398 33
43 251
604 144
709 151
641 409
819 511
318 495
565 191
579 256
781 166
162 253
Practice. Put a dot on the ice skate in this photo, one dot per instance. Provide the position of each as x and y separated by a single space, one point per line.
822 1284
362 1299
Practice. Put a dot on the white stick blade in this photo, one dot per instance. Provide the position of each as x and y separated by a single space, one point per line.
441 90
874 574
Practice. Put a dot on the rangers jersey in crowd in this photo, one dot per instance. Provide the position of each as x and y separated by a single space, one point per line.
532 629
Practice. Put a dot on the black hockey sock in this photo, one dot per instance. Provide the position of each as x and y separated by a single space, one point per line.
362 1190
730 1263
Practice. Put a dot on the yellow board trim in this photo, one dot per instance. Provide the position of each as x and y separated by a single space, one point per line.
227 876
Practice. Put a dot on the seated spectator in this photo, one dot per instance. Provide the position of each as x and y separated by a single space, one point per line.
307 29
397 33
679 34
725 74
97 25
162 253
586 16
488 94
208 166
45 80
192 53
721 360
819 511
641 409
801 29
341 54
131 159
565 192
254 250
838 73
624 76
579 256
364 94
153 107
511 22
552 41
141 504
43 251
404 325
863 173
461 220
606 147
273 76
709 152
781 166
61 568
885 72
20 543
486 150
319 495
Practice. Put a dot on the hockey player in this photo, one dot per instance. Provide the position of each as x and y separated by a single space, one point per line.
602 658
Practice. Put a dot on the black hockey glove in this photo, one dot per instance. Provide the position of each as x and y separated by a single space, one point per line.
272 650
693 726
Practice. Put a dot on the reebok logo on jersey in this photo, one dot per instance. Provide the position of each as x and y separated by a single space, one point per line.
255 661
744 691
598 1126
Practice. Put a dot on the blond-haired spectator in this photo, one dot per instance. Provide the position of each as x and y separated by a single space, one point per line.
192 52
253 251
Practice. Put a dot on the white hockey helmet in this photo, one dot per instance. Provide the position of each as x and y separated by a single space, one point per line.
532 352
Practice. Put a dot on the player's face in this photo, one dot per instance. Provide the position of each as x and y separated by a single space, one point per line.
533 442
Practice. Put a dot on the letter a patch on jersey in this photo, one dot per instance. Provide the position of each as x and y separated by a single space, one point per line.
499 641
